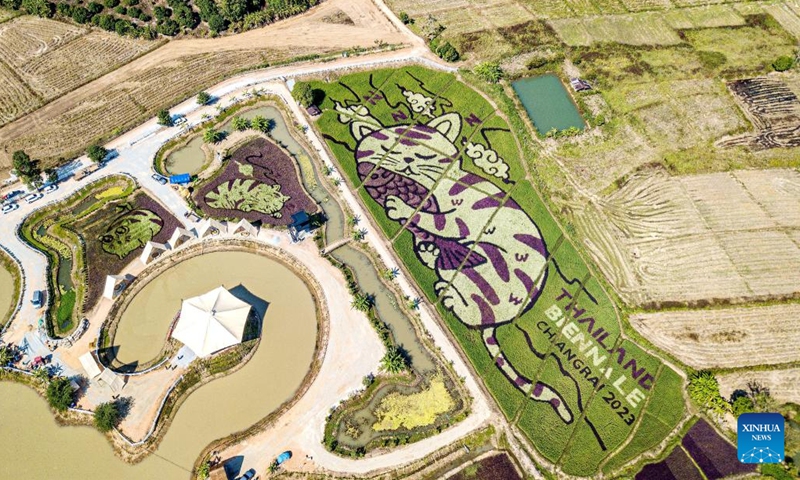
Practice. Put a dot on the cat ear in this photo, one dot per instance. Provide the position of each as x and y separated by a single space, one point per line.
361 129
448 125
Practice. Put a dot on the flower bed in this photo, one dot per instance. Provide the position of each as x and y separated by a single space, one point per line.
259 182
713 454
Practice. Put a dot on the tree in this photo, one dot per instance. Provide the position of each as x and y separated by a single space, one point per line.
261 124
203 98
781 64
96 153
186 17
447 52
405 18
164 118
360 234
60 394
704 390
362 302
241 124
168 27
233 10
489 72
42 8
41 374
742 404
26 168
212 136
391 273
123 27
52 175
106 416
394 361
303 94
104 21
217 23
80 15
94 8
110 3
204 470
5 356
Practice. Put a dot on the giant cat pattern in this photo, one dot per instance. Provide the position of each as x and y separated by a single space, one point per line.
488 254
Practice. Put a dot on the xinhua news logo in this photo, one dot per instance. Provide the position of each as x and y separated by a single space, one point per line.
760 438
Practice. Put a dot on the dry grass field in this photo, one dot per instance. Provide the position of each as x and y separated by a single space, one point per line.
783 385
693 240
725 338
163 77
41 59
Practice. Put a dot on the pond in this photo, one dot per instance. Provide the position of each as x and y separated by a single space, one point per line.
548 104
188 159
42 450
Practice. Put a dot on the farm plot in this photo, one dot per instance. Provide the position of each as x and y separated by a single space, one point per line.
724 338
774 109
259 183
24 38
663 240
94 233
787 14
441 174
783 385
677 466
496 467
15 97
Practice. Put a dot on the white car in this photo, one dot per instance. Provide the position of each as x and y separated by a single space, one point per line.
10 207
50 188
33 197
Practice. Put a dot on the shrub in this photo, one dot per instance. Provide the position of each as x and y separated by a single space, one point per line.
781 64
489 72
106 416
405 18
96 153
110 3
64 9
203 98
394 361
121 10
447 52
94 8
42 8
59 394
164 118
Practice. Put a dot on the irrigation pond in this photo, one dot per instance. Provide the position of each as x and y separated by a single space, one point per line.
42 450
548 104
6 292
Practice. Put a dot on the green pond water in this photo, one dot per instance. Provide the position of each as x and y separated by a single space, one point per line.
548 103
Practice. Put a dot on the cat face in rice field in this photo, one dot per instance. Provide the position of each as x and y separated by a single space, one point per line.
129 231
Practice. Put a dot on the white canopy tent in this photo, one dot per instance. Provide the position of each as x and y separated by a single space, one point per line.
111 380
211 322
89 363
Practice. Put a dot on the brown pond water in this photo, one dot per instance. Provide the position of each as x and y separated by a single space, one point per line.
187 159
42 450
6 292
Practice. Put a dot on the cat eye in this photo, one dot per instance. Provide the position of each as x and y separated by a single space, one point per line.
425 157
386 150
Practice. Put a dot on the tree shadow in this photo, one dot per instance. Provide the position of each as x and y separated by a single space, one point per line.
124 406
317 96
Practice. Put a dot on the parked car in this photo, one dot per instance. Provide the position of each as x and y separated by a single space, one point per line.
159 178
33 197
50 189
38 298
9 207
248 474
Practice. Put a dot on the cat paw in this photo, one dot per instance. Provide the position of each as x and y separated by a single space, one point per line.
396 208
439 287
428 252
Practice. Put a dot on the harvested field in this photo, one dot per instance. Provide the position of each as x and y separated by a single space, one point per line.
725 338
774 110
726 237
41 59
783 385
179 70
787 14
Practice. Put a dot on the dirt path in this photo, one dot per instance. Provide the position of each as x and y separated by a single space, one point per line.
304 34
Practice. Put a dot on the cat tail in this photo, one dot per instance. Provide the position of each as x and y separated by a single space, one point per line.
538 391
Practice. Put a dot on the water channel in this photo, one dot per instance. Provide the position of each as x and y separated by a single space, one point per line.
41 450
548 103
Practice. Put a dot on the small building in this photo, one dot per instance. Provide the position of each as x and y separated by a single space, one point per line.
579 85
245 229
115 284
314 110
180 179
152 251
179 237
209 226
90 365
301 224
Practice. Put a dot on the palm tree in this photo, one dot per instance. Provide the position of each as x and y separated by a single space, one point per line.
391 273
241 124
5 356
414 303
212 136
42 374
362 302
394 361
359 235
327 170
337 181
353 220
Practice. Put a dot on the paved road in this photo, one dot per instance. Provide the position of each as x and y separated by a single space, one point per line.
303 424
